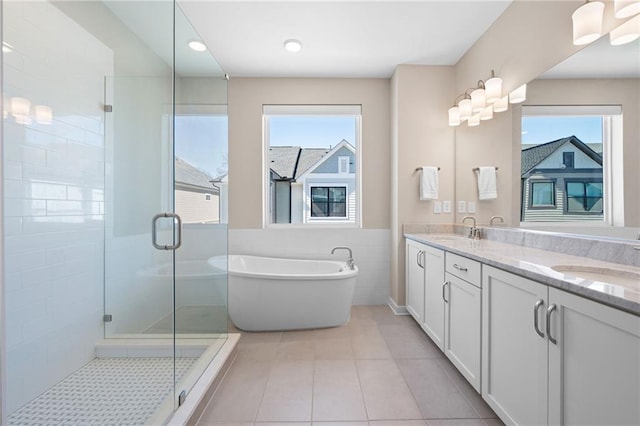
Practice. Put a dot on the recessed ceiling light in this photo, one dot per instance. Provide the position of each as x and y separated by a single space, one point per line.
198 46
292 45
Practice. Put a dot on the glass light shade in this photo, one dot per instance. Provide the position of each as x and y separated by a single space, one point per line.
626 8
20 107
587 22
464 106
454 116
518 95
478 100
487 113
502 104
626 33
474 120
44 114
493 89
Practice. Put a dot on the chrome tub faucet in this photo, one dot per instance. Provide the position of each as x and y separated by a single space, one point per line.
350 263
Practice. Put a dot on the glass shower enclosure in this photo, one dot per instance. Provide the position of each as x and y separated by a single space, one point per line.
114 149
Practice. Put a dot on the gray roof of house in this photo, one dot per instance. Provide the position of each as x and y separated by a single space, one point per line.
309 157
533 156
293 161
188 174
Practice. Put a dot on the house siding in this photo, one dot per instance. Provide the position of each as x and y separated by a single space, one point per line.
193 207
331 164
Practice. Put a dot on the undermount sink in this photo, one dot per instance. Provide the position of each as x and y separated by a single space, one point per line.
605 275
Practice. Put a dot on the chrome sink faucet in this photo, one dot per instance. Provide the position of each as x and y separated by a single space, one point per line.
350 263
474 232
494 218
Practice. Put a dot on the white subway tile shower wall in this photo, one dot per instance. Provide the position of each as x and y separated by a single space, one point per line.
54 198
370 252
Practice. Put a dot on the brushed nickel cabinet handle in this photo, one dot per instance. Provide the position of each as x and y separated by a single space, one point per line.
536 309
549 312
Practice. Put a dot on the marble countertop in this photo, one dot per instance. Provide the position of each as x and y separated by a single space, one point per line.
536 264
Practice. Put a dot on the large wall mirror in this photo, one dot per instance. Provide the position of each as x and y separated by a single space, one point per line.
580 144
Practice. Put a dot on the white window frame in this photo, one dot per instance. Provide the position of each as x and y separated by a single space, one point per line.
354 111
612 177
343 165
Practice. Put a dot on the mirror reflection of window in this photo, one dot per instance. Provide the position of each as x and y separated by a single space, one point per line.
564 169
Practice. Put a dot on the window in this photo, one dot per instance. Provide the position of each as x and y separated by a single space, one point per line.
584 197
543 194
568 159
312 173
201 153
328 201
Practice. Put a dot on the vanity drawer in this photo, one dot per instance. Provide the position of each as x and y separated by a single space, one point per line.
467 269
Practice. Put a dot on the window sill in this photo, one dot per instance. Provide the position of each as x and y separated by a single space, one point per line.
323 225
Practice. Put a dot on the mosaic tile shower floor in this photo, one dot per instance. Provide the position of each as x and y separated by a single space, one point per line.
106 391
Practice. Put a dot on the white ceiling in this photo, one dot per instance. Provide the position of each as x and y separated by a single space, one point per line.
349 38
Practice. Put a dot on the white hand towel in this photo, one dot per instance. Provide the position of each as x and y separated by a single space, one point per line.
429 183
487 189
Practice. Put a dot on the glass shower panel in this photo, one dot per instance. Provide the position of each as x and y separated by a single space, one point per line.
138 184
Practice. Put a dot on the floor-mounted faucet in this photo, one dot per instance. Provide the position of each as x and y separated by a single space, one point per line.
350 263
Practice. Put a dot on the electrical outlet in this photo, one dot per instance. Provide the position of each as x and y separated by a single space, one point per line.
446 207
462 206
437 207
471 207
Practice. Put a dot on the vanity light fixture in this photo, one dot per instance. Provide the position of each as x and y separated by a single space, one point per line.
478 98
587 22
493 88
487 113
197 45
292 45
6 47
626 33
479 103
464 107
474 120
502 104
626 8
454 116
518 95
44 114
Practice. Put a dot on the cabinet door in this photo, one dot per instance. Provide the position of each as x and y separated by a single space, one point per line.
433 323
514 355
415 281
594 366
462 327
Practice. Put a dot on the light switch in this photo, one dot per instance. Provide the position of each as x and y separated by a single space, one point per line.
462 206
437 207
446 207
471 207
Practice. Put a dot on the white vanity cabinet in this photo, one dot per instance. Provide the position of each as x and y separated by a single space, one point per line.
594 366
550 357
415 279
462 316
514 355
434 305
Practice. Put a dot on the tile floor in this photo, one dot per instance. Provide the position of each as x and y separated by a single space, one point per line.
378 370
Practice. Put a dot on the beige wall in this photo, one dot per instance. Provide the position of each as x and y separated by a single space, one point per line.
420 96
246 165
624 92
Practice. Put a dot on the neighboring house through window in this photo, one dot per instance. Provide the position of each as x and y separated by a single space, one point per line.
568 178
312 163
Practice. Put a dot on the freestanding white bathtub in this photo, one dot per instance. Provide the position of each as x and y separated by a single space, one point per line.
289 294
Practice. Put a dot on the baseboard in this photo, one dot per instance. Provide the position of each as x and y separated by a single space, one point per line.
398 310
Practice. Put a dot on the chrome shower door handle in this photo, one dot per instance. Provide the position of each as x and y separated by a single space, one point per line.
536 309
154 232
